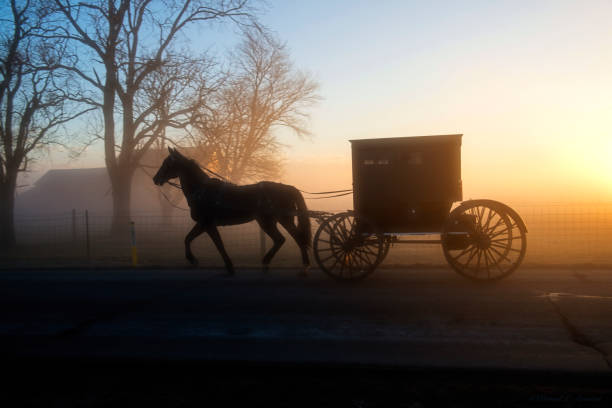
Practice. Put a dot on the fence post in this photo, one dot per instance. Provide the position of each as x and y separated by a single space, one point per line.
262 243
133 240
87 235
74 235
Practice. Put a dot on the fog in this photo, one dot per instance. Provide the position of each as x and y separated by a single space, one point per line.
563 228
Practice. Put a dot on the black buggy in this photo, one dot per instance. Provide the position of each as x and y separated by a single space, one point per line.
404 188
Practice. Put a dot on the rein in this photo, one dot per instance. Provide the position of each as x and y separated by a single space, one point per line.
167 199
213 173
334 194
331 196
337 193
328 192
173 184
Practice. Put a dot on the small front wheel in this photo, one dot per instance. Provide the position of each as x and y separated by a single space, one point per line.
348 247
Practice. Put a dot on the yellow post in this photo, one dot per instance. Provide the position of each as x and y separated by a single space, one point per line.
134 250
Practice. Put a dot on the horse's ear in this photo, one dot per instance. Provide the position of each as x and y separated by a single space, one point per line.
178 154
169 150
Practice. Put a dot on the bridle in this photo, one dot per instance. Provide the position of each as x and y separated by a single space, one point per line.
173 184
176 185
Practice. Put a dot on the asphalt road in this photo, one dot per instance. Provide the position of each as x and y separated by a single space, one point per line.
536 319
544 320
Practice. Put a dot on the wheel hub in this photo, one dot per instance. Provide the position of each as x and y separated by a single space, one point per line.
482 241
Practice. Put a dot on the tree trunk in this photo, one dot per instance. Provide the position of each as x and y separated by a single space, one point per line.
7 212
121 182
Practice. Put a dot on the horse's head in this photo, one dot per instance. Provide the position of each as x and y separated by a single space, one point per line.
170 168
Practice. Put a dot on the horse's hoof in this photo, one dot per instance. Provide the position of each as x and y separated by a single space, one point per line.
303 273
193 262
265 269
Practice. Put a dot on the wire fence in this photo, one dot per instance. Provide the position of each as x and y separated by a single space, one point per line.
559 234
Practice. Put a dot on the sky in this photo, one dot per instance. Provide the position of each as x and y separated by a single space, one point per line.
528 84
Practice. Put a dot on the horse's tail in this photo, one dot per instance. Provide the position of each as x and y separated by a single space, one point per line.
303 226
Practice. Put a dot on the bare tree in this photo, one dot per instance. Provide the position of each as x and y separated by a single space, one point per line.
35 99
185 85
263 92
126 42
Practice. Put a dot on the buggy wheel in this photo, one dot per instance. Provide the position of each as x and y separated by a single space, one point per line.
386 247
484 240
347 247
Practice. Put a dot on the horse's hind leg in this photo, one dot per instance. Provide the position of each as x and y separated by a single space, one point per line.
216 238
293 231
270 228
195 231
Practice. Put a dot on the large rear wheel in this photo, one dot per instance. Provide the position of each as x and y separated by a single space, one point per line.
484 240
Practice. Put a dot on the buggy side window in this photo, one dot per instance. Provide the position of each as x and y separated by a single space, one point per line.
378 158
380 162
413 158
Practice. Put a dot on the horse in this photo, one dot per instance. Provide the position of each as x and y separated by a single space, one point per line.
213 202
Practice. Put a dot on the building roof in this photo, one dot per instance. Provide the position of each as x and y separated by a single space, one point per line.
61 190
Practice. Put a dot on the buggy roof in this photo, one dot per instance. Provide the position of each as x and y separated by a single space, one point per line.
406 139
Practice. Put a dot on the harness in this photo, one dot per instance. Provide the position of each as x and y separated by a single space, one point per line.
261 196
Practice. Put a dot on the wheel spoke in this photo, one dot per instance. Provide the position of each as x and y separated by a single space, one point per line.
335 253
481 212
465 251
473 213
504 247
495 226
497 234
328 228
365 253
370 258
486 258
496 261
500 254
366 261
369 250
473 253
328 258
325 249
343 231
349 263
334 264
501 240
489 218
355 261
500 233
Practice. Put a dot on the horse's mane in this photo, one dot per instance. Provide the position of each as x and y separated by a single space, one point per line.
201 175
194 168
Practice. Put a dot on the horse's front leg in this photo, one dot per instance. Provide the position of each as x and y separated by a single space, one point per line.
195 231
216 238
